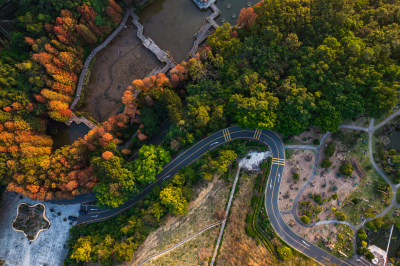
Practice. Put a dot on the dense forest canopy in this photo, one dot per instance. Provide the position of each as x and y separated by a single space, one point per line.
294 64
287 65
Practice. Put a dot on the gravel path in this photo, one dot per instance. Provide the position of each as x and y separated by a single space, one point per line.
370 130
317 153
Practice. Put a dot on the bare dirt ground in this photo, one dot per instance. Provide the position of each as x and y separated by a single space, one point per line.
301 162
237 247
200 214
324 236
352 145
116 66
327 182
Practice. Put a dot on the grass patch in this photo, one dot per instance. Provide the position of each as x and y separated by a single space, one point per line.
366 199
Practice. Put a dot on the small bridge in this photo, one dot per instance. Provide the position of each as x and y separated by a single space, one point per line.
80 119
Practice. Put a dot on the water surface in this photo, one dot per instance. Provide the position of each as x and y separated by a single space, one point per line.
230 9
65 135
394 140
172 24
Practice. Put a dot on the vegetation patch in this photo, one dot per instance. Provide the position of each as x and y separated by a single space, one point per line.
370 194
338 241
31 220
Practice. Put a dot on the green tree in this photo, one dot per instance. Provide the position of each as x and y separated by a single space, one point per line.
285 253
305 219
346 169
150 162
157 210
326 163
340 216
174 200
218 165
296 176
82 249
254 112
330 149
296 110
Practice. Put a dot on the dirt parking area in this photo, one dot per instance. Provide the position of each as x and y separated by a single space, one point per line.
114 69
300 162
201 214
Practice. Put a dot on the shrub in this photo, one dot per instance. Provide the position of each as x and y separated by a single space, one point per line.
356 200
285 253
335 196
305 219
361 234
330 149
326 163
346 169
339 235
340 216
296 176
250 232
263 165
318 199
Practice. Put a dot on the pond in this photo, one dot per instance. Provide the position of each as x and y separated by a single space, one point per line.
230 9
172 24
65 135
394 140
380 239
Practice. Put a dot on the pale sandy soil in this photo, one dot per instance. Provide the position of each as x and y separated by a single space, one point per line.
321 233
300 162
237 247
325 181
200 214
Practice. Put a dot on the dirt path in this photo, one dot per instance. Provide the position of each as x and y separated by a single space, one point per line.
221 232
370 130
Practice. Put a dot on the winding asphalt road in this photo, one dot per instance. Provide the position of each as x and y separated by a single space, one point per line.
211 142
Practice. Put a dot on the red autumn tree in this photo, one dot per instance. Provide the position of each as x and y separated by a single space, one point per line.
87 12
107 155
247 18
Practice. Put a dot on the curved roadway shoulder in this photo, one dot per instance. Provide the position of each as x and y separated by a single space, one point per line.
213 141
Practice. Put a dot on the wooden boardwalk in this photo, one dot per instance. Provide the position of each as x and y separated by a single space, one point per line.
147 42
79 120
153 47
203 33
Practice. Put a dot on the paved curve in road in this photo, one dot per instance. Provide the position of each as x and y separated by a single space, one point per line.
211 142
